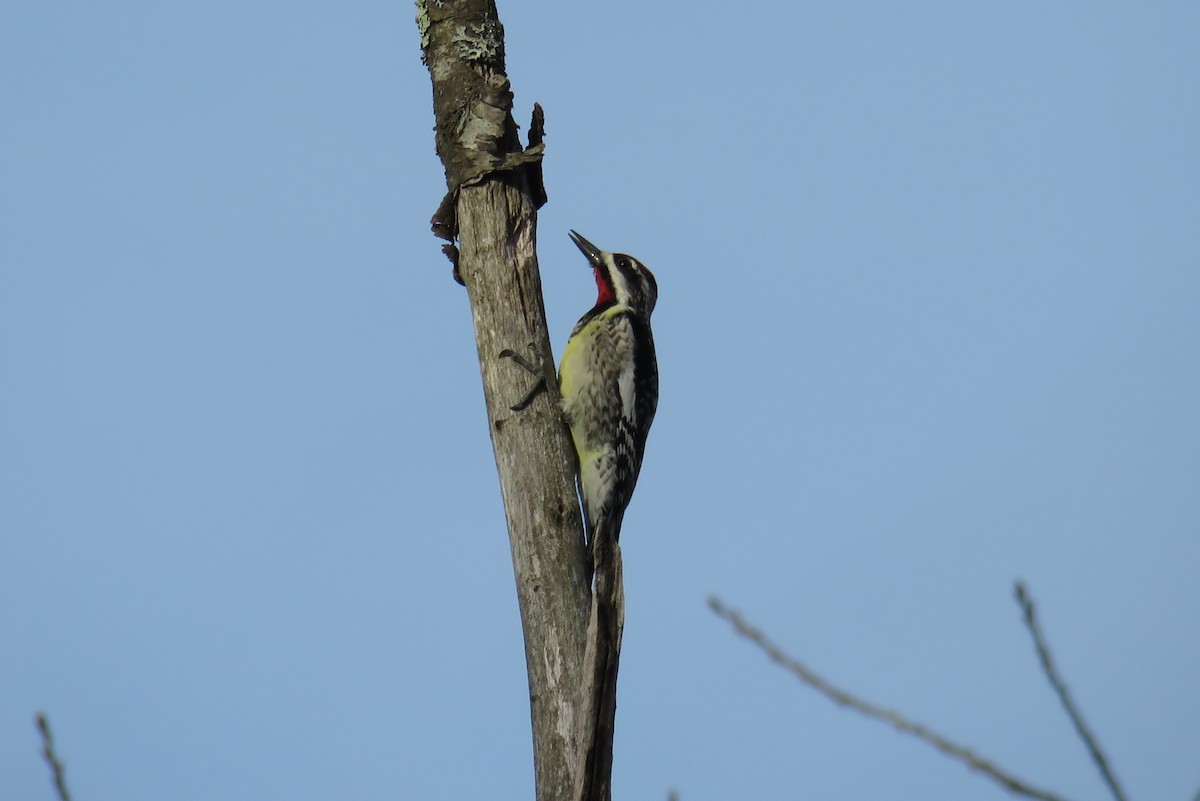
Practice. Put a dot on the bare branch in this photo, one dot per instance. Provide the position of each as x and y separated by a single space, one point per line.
901 723
489 214
56 765
1064 695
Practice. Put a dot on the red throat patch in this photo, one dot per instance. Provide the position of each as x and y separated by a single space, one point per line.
604 289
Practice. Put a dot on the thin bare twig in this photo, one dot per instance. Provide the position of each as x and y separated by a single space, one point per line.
56 765
1064 695
901 723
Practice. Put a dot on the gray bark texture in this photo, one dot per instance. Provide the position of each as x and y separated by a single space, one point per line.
572 635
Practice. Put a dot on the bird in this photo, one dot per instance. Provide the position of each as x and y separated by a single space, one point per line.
608 381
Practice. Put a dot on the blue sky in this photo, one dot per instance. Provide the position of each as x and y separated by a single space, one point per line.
928 324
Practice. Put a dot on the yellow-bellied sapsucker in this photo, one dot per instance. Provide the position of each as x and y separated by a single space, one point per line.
609 384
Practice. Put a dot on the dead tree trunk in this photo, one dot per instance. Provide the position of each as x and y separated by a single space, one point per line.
491 211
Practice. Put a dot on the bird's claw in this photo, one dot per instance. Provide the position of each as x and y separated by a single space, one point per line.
538 387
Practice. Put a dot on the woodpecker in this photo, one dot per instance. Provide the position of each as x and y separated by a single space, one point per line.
609 385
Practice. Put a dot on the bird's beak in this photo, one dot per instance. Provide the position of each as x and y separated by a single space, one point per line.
594 254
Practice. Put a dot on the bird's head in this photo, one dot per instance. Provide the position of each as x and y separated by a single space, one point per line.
620 279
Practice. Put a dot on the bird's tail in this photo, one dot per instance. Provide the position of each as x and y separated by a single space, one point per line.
605 629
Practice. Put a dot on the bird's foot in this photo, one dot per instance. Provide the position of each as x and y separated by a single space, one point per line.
538 387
